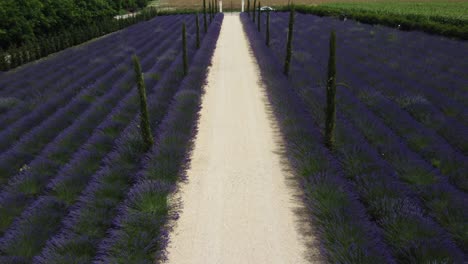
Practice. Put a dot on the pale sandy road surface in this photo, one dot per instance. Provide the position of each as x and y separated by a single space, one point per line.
237 205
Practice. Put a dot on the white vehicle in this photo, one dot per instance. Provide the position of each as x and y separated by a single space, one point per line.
266 8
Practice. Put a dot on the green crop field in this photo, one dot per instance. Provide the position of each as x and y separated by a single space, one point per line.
439 11
444 18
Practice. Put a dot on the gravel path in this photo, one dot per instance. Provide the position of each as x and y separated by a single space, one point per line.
239 204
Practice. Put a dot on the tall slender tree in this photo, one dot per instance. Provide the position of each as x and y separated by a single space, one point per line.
331 95
144 116
287 60
3 62
204 16
248 8
254 7
184 49
210 11
267 37
259 16
198 30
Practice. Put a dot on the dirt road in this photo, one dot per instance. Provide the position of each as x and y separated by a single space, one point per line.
238 206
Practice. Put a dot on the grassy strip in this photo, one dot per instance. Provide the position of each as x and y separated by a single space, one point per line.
450 27
139 236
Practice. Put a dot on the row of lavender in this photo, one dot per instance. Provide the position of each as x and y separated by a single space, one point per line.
66 174
414 193
42 47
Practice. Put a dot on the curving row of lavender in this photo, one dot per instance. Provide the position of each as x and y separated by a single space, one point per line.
69 153
399 174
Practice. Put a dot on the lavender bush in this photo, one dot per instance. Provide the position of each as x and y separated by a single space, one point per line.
85 162
419 210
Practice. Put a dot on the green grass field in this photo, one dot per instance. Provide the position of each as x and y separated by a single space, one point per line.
444 18
439 11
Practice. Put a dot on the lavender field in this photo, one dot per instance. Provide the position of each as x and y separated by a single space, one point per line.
75 180
395 187
79 182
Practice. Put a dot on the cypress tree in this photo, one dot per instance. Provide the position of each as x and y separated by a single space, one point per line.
287 60
144 116
3 63
184 49
267 38
204 15
331 94
20 56
198 30
254 6
259 16
248 8
209 10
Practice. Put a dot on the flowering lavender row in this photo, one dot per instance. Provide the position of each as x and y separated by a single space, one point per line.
402 50
47 73
67 61
167 86
33 142
426 142
434 149
428 107
409 60
89 218
419 138
86 78
425 112
365 163
420 176
64 146
138 235
91 77
397 70
65 57
24 121
409 165
57 76
341 224
16 235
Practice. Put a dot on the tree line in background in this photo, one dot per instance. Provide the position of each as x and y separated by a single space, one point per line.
25 21
43 46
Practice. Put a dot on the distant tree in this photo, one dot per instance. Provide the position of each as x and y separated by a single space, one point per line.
248 8
184 49
330 111
204 16
287 60
144 116
210 11
3 61
254 7
198 31
259 16
267 38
